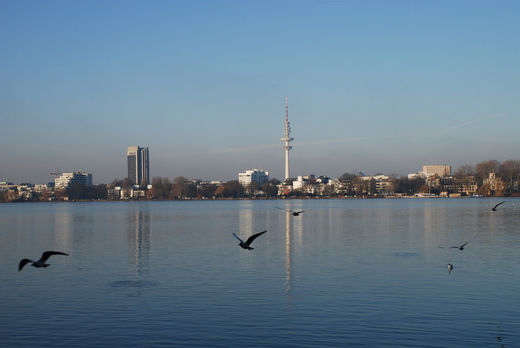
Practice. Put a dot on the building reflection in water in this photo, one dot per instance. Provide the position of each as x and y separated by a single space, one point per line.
435 226
245 219
62 228
139 239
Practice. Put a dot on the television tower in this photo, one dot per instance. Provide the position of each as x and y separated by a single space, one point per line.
286 139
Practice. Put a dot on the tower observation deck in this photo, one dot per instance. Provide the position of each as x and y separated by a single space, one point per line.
286 138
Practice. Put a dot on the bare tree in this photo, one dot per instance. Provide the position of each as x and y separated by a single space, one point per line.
347 177
464 171
509 172
179 187
161 188
270 189
483 169
230 189
208 191
409 186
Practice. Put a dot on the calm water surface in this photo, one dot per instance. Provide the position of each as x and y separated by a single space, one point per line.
364 273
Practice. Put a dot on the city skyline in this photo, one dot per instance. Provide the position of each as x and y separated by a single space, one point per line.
374 86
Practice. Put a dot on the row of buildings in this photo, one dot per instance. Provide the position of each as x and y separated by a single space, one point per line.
138 164
430 181
434 180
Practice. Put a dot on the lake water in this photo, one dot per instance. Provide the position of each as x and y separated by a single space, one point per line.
363 273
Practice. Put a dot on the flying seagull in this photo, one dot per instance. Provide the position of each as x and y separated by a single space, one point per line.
41 261
295 213
461 247
247 243
495 207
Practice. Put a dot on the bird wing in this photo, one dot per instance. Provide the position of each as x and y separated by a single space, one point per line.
284 209
238 238
48 254
254 236
460 246
499 204
472 238
22 263
465 243
301 211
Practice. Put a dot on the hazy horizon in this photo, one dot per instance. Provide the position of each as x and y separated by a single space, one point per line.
378 87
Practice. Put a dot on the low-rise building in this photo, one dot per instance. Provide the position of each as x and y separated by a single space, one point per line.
5 185
115 193
299 183
463 187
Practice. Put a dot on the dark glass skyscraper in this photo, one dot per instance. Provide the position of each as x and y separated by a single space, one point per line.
138 165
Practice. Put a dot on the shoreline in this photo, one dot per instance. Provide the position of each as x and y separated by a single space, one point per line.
258 199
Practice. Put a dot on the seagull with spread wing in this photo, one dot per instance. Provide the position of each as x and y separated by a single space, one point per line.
41 261
461 247
495 207
295 213
247 243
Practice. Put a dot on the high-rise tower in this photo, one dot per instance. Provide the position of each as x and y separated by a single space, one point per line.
286 139
138 165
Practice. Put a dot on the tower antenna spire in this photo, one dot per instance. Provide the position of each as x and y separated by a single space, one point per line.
286 110
287 138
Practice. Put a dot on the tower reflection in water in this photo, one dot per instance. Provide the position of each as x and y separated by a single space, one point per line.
139 240
293 236
293 239
288 256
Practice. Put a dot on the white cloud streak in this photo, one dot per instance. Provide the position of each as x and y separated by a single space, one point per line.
470 122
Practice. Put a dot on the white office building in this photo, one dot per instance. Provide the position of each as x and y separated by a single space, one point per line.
440 170
251 176
65 180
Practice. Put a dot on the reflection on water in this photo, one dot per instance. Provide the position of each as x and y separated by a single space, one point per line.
63 226
293 238
344 273
288 257
132 284
245 220
139 239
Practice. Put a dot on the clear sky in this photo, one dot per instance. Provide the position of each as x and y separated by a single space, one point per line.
373 86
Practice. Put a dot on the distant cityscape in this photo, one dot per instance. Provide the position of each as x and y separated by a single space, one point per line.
489 178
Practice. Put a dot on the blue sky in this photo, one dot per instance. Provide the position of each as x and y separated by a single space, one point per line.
376 86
